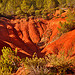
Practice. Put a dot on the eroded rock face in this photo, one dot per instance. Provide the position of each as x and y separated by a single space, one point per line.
22 35
35 35
65 42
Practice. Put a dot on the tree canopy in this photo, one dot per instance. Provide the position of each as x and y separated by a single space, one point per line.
16 7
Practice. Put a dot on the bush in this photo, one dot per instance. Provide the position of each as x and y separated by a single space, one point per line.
66 27
69 25
9 61
37 13
35 65
51 64
26 17
44 16
61 64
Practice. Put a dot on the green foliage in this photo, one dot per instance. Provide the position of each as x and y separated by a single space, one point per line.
44 14
48 4
60 64
36 65
69 25
9 61
66 27
61 11
49 65
18 11
37 13
31 10
26 17
71 15
39 4
62 1
39 21
56 17
31 7
25 5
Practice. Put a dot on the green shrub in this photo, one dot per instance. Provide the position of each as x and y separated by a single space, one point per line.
62 17
51 64
61 11
60 64
44 16
39 21
37 13
9 61
26 17
69 25
66 27
36 65
71 15
56 17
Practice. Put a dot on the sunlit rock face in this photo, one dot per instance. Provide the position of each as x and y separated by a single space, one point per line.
35 35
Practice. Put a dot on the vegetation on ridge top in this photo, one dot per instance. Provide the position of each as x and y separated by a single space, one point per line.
26 8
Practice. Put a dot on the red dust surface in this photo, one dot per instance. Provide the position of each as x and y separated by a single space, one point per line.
35 35
65 42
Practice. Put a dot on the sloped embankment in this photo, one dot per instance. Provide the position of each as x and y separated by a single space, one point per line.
65 42
35 35
22 35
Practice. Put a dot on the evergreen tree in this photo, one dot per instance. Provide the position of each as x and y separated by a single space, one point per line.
39 4
3 6
48 4
25 5
10 7
31 10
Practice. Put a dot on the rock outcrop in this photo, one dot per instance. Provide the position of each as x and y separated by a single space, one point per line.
35 35
22 35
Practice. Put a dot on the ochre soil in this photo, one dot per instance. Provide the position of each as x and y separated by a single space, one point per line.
35 35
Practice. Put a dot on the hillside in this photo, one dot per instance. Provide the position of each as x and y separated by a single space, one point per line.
35 35
34 38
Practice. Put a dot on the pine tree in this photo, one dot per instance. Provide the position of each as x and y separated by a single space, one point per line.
25 5
39 4
3 6
31 10
10 10
48 4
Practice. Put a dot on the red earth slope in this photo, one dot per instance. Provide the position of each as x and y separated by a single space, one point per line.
65 42
35 35
22 35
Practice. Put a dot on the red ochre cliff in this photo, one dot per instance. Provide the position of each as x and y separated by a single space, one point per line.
35 35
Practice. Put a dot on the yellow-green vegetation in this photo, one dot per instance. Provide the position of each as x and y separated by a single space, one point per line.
36 66
61 64
10 8
9 62
69 25
49 65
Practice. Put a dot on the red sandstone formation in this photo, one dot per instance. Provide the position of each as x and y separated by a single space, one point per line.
22 35
65 42
35 35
